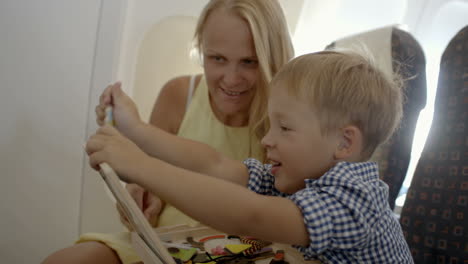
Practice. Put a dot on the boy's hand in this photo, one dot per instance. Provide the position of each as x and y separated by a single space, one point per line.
109 146
125 112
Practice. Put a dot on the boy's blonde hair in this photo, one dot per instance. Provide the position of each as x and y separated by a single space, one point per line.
272 44
346 88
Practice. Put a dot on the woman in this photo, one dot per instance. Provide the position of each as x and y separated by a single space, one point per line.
242 44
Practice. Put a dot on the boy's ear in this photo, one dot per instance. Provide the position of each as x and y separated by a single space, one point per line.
349 144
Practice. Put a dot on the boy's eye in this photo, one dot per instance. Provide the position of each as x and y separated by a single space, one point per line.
283 128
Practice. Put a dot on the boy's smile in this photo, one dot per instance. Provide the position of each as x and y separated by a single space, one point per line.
275 166
295 146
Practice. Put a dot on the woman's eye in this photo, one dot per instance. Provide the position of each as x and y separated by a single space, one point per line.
283 128
217 58
250 62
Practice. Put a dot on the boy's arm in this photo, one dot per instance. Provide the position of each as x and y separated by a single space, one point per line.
187 154
178 151
225 206
221 204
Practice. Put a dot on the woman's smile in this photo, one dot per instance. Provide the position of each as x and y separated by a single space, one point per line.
234 94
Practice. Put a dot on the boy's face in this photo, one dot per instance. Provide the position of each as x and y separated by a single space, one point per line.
294 144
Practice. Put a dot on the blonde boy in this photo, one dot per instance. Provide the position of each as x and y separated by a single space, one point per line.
328 111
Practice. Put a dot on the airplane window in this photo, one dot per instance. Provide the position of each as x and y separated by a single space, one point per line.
164 53
322 22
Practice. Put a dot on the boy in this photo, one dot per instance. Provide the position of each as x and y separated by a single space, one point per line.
328 111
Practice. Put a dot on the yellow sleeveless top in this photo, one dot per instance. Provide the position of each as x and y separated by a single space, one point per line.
200 124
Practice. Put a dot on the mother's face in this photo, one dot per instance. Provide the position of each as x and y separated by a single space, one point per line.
230 62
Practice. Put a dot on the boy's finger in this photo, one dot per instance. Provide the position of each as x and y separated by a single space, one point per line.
117 92
103 99
100 115
117 85
107 130
99 111
99 121
95 143
95 159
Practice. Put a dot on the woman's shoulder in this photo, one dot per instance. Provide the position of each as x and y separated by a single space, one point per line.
176 90
178 87
169 109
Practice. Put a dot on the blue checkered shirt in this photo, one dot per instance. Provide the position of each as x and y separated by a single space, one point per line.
346 214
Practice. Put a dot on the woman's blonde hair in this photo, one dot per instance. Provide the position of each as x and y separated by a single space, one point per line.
346 88
272 44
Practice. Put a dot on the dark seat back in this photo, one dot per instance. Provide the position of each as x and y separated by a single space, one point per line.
434 216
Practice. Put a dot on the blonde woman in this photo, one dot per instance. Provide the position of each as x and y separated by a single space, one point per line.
242 44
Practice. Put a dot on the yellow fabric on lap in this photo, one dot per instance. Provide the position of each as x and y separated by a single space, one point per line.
119 242
172 216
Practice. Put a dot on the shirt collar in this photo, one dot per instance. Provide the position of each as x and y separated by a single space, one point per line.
344 172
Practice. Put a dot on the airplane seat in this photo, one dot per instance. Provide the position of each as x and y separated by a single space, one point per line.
434 215
395 50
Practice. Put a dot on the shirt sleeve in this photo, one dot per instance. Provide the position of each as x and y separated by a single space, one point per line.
260 179
330 224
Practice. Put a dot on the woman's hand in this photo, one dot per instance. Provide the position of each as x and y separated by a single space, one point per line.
149 204
125 112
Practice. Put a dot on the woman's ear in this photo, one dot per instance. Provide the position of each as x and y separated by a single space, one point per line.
349 144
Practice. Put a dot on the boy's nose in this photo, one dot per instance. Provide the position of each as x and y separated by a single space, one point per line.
266 142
